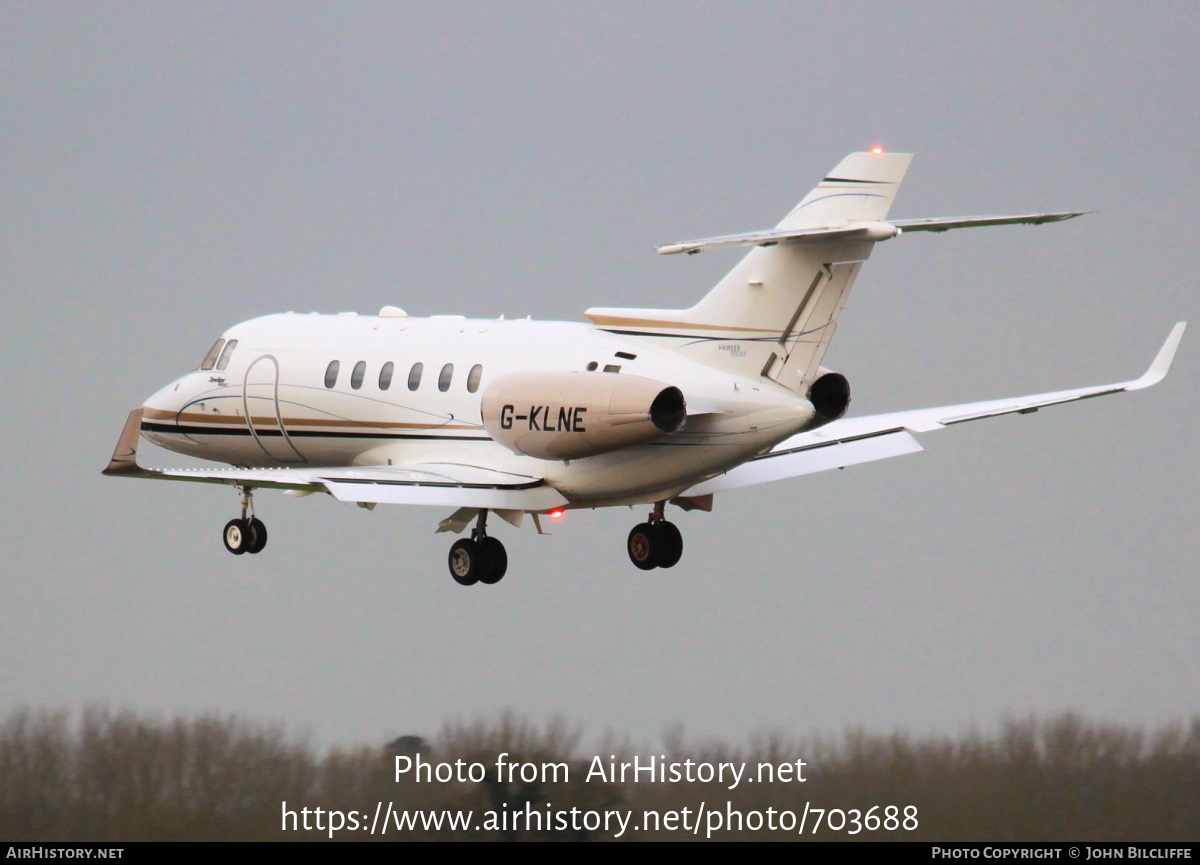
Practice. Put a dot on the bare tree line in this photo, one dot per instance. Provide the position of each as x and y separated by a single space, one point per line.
123 776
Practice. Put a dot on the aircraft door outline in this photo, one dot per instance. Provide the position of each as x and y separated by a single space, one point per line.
290 454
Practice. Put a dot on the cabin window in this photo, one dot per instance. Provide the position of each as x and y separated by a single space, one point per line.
385 375
331 373
226 354
414 376
210 359
356 375
591 367
445 376
473 378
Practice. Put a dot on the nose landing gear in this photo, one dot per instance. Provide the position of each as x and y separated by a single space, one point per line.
246 534
655 543
479 558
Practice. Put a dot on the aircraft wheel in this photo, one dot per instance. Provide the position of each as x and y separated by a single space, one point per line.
497 558
258 530
670 544
239 536
468 562
643 545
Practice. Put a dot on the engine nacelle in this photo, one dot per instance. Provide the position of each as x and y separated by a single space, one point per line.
830 396
568 415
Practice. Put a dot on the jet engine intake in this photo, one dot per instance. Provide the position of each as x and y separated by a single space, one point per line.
568 415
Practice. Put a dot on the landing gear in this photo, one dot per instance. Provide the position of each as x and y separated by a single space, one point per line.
655 544
670 545
497 561
479 558
238 537
468 562
246 534
259 530
643 546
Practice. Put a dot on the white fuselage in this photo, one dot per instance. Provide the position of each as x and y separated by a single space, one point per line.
276 401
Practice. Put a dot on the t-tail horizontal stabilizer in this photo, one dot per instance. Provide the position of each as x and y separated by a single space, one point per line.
860 231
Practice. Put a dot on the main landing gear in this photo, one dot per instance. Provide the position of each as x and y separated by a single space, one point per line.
656 543
479 558
247 534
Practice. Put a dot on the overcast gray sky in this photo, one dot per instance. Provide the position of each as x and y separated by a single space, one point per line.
169 169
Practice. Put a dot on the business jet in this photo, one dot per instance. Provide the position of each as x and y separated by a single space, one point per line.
636 407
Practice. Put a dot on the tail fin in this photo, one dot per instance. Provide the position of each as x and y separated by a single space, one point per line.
860 189
774 314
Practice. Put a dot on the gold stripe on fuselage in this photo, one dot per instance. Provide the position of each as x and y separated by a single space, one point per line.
617 321
239 420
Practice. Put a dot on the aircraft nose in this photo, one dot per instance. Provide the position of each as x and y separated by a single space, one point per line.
161 398
169 399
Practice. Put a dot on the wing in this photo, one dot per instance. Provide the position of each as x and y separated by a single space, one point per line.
859 440
438 484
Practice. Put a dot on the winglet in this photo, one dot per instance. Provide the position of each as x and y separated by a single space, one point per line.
1162 361
124 458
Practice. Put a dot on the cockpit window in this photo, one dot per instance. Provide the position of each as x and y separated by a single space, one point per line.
210 359
225 355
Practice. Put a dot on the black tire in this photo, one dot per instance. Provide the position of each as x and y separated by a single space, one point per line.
497 561
642 546
238 536
468 562
258 531
670 544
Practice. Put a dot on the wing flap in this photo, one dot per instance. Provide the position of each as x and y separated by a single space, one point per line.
537 498
441 484
809 459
